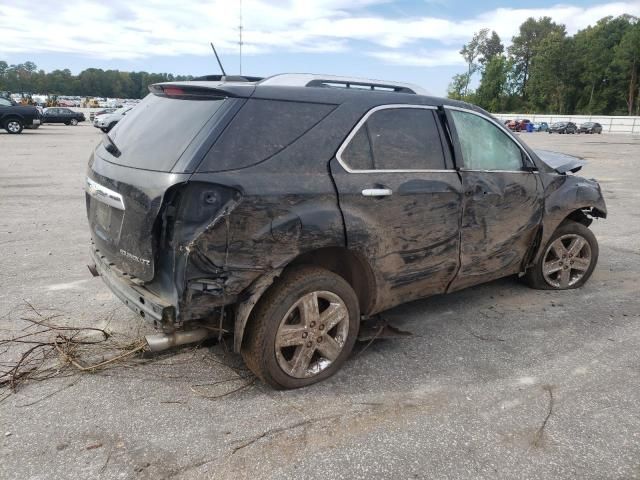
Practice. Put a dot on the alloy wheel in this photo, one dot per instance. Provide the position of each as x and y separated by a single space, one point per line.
312 334
13 126
566 261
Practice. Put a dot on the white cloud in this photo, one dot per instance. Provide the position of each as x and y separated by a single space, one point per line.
120 29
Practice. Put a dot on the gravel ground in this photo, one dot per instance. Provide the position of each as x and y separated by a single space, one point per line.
497 381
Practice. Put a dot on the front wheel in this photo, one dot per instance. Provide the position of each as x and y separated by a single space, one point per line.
303 328
568 259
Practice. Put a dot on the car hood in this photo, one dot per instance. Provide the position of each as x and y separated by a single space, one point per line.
561 162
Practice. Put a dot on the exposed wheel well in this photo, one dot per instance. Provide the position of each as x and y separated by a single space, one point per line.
350 266
584 216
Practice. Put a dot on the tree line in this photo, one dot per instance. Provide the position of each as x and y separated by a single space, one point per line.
26 78
595 71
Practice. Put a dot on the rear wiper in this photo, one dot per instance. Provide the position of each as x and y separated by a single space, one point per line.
110 146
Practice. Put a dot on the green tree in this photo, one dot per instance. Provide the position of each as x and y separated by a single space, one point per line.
470 52
490 93
526 44
627 58
458 87
490 48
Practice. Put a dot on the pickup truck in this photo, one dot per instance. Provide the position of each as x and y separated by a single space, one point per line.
14 117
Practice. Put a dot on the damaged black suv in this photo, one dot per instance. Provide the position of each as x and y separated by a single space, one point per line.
285 210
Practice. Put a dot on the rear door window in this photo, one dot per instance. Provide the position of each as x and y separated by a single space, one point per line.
396 139
154 134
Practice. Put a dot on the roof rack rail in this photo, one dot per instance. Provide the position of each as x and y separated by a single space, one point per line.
332 81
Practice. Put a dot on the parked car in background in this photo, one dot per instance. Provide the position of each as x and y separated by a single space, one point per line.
518 125
540 126
62 115
286 209
109 120
590 127
14 118
563 127
104 111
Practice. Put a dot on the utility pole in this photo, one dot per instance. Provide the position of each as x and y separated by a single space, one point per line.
240 32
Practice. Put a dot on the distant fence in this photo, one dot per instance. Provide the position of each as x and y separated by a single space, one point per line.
609 124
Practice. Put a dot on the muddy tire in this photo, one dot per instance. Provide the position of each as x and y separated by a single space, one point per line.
567 261
303 329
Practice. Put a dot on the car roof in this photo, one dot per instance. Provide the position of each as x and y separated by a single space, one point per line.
319 88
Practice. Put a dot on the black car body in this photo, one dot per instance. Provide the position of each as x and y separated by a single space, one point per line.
14 118
62 115
590 127
563 127
212 202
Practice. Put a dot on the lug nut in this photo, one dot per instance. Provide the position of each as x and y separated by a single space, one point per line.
312 324
321 327
319 339
305 334
309 344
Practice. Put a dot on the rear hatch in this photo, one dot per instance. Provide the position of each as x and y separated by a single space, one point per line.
147 152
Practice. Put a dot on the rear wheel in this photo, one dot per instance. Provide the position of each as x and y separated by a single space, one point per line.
303 328
74 121
13 126
568 259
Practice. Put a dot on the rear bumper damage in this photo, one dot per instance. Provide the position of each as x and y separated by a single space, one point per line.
139 299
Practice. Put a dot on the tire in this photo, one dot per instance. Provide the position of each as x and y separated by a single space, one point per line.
104 129
292 365
74 121
14 126
567 232
111 125
67 123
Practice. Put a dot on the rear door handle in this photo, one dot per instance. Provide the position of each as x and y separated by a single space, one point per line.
377 192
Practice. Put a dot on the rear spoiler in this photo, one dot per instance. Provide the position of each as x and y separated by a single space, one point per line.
201 90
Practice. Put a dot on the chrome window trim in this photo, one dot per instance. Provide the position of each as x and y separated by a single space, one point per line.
501 128
104 194
354 131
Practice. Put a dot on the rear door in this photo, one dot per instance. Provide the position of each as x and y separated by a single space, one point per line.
400 197
503 199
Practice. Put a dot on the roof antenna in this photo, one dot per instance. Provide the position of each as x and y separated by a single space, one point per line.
218 59
240 42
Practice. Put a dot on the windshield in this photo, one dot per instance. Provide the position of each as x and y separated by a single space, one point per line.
559 124
155 133
587 124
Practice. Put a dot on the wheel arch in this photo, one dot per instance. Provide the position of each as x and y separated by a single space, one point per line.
583 215
340 260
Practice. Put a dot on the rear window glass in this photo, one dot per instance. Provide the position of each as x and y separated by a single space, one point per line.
154 134
396 139
261 129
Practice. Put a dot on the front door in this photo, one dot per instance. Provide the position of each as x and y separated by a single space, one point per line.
400 197
503 199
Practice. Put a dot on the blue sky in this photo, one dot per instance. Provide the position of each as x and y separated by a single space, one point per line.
406 40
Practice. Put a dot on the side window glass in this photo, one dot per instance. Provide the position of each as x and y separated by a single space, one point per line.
260 130
484 146
4 102
396 139
358 153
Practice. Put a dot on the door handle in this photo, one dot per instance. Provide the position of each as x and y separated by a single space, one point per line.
377 192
